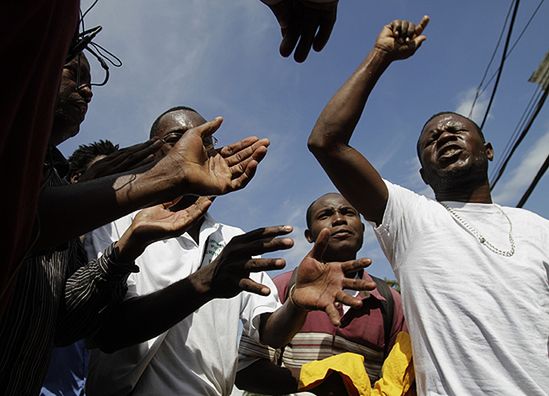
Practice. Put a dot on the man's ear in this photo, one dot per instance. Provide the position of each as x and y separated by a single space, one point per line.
308 236
489 150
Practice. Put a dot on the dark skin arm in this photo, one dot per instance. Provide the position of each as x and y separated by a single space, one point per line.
224 277
72 210
348 169
122 160
319 286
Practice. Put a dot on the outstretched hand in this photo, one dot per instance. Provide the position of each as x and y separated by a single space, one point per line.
307 21
157 223
228 169
229 273
123 160
400 39
319 285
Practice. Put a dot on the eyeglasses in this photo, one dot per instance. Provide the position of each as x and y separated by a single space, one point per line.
83 41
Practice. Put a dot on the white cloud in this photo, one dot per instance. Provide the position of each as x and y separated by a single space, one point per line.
521 176
466 100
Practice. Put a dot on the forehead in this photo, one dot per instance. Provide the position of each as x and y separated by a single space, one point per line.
330 200
445 121
179 121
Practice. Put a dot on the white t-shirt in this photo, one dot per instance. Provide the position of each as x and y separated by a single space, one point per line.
479 321
198 356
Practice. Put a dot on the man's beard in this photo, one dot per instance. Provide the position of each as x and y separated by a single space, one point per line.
472 172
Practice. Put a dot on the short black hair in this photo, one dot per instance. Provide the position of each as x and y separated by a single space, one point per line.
443 113
83 156
154 126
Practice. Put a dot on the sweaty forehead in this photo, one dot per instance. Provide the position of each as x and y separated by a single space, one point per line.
179 121
330 200
445 121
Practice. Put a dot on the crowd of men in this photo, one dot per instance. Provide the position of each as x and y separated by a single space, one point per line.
113 254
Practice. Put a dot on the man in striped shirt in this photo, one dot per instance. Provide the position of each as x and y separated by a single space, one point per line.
369 331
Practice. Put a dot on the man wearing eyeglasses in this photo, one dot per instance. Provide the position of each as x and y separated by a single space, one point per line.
56 297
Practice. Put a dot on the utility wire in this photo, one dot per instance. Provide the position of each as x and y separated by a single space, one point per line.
526 114
533 116
534 183
509 52
478 92
506 46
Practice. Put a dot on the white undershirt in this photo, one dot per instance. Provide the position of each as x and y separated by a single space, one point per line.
479 321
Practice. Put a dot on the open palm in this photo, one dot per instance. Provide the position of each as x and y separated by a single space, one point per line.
319 285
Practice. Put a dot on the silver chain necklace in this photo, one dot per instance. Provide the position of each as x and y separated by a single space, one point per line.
483 241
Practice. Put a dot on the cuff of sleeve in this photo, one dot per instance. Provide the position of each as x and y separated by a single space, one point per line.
110 264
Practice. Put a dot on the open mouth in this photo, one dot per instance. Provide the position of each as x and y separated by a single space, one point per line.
449 152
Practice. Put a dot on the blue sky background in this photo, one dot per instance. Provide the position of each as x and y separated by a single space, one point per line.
221 57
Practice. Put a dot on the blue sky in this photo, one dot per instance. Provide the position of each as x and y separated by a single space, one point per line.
222 58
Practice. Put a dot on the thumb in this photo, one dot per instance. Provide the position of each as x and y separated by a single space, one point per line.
321 243
208 128
419 40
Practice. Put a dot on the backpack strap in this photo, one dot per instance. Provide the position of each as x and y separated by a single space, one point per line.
387 309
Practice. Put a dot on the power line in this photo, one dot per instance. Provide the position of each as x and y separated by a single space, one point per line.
478 92
510 49
534 183
533 116
526 114
500 70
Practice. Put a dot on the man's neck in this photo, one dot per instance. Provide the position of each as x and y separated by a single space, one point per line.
472 193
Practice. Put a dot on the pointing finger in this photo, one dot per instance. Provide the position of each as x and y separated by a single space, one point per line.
422 24
320 245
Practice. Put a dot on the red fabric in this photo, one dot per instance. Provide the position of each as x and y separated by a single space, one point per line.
34 39
366 325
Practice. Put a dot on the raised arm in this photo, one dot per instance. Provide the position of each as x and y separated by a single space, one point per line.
72 210
348 169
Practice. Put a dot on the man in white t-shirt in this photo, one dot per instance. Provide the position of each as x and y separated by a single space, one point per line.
177 331
474 275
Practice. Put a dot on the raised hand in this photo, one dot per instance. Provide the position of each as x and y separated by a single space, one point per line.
308 21
400 39
157 223
228 274
319 285
123 160
227 170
